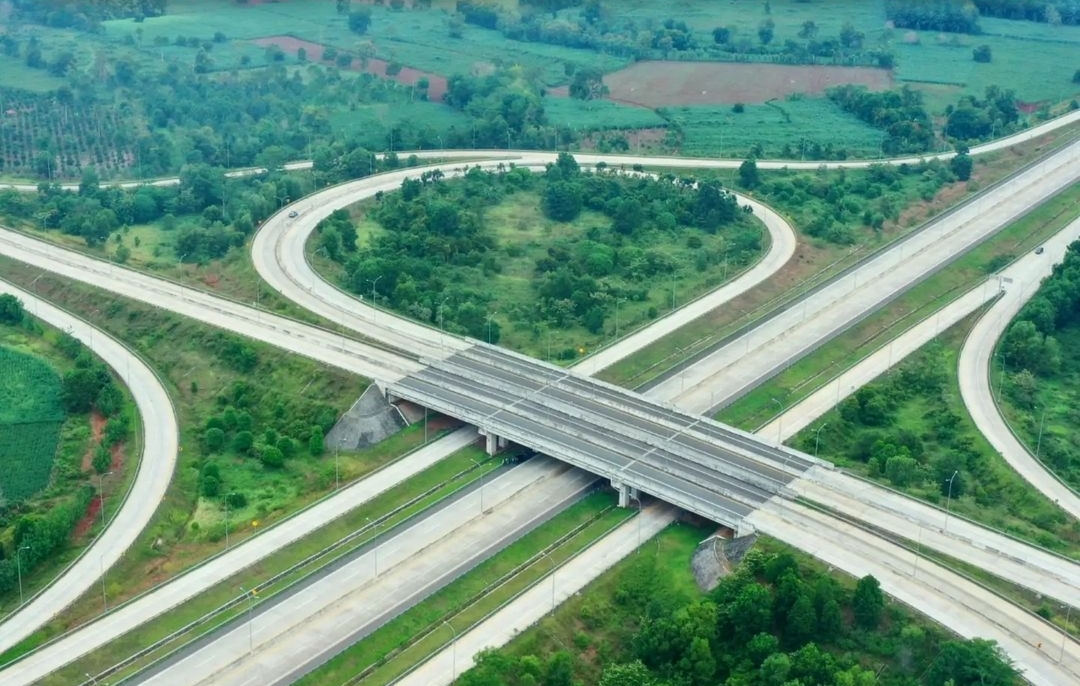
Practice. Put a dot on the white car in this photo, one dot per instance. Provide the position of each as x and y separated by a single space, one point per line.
293 214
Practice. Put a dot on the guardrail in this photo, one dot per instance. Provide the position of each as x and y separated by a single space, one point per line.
503 605
271 581
141 447
212 558
792 298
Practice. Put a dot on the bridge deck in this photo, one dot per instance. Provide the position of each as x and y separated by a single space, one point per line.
693 462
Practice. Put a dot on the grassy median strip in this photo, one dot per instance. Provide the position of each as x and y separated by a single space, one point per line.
285 567
817 369
410 638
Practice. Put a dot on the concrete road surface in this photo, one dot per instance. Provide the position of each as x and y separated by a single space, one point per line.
304 339
975 368
182 588
765 350
158 437
287 639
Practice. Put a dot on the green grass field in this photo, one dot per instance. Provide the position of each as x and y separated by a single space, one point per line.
371 124
594 115
30 419
718 131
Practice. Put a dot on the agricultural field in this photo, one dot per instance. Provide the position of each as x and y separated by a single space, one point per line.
595 115
31 415
787 129
664 84
77 136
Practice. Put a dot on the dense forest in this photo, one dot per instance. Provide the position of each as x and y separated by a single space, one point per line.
1032 351
771 623
85 15
437 253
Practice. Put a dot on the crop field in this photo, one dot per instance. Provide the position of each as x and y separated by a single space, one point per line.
371 124
718 131
81 136
418 39
30 420
596 115
662 84
1037 70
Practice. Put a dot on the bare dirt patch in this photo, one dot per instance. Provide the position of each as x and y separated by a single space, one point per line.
658 84
377 67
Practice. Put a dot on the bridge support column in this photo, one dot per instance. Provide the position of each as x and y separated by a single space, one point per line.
624 493
491 443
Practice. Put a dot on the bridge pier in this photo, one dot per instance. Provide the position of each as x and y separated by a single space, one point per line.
493 442
626 493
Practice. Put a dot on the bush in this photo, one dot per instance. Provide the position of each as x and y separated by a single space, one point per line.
981 54
214 439
271 457
316 444
236 500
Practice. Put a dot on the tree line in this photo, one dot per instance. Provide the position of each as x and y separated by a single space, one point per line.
771 622
85 15
602 27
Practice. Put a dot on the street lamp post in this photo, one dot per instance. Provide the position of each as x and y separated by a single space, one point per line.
480 467
617 301
490 317
779 422
1038 443
552 563
18 565
817 437
374 282
101 496
251 617
453 651
948 501
1065 633
673 275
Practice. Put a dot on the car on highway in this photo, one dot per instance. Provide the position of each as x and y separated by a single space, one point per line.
1039 250
293 214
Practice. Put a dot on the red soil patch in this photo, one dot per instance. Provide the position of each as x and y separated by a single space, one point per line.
659 84
93 510
377 67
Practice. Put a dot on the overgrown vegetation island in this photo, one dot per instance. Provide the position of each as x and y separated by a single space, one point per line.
64 425
553 262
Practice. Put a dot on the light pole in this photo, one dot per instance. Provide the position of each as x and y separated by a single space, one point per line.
490 317
18 565
453 651
226 522
251 617
1001 379
480 467
552 563
1065 633
817 437
373 284
948 501
1038 443
104 599
779 422
673 275
101 496
617 301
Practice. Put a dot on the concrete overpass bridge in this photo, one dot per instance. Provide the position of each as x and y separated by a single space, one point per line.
639 444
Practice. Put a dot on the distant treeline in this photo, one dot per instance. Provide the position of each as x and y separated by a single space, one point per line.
962 16
85 15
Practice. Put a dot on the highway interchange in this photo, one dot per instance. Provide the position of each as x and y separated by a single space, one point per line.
436 344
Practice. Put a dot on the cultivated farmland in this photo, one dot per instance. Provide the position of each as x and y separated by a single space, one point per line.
30 419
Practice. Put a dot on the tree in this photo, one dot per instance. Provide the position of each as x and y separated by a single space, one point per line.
343 6
588 84
977 662
627 674
981 54
214 438
868 603
722 34
802 622
1076 76
316 444
360 20
748 174
11 309
765 31
961 165
809 30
